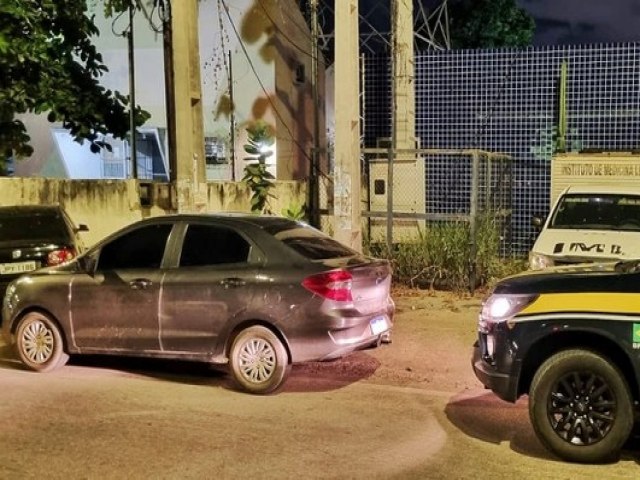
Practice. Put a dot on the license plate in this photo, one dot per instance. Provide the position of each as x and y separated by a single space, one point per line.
378 325
16 268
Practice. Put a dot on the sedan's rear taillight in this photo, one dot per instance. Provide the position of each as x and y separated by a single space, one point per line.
60 255
333 285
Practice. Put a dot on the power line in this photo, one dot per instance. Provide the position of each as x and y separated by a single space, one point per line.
222 45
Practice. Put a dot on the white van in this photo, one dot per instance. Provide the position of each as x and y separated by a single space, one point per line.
589 224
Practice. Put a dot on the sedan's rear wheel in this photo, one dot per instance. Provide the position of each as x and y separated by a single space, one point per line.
581 407
39 343
259 360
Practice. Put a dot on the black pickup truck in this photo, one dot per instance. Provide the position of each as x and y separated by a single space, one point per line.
569 338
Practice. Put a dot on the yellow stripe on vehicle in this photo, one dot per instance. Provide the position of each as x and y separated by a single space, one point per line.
610 302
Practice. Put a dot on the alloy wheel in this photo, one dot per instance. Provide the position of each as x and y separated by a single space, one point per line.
582 408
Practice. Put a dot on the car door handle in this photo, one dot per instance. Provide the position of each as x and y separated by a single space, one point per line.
140 283
232 282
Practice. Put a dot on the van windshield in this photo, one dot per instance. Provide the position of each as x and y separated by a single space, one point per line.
597 212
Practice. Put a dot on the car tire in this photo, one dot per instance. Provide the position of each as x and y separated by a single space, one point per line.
581 407
39 343
259 361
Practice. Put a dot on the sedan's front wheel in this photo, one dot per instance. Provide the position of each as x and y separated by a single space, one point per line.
39 343
259 360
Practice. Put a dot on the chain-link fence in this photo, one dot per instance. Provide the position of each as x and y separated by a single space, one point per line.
444 211
508 100
441 201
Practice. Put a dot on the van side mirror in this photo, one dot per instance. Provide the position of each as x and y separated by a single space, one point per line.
81 228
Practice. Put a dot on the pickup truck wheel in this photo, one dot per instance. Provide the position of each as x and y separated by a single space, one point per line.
580 407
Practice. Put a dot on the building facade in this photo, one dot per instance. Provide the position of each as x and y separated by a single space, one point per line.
255 66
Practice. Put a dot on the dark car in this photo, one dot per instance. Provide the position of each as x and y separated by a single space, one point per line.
255 292
570 339
32 237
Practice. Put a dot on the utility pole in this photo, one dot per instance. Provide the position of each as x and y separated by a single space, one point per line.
404 104
189 175
232 124
313 187
132 95
167 44
405 169
347 183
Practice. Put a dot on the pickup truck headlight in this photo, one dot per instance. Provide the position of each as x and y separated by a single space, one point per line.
538 261
499 308
502 307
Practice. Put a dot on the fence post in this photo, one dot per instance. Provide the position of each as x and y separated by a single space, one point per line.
473 220
390 154
489 197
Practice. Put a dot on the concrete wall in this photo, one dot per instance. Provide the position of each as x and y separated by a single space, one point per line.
105 206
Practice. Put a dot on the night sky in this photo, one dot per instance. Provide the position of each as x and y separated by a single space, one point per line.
584 21
557 21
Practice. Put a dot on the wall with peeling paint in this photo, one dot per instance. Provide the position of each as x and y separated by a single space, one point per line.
107 205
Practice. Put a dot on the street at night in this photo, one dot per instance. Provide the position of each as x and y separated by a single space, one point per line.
255 187
411 409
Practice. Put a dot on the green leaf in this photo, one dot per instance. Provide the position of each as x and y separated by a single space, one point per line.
52 42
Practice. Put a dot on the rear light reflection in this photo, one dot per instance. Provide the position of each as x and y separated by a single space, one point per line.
332 285
59 256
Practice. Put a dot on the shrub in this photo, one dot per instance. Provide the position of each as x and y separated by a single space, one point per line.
440 256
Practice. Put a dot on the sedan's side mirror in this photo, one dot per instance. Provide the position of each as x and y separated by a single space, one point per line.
537 222
88 263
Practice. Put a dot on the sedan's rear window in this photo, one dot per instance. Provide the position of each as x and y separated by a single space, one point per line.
33 226
312 243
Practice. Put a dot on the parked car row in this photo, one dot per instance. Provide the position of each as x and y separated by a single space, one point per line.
260 293
256 293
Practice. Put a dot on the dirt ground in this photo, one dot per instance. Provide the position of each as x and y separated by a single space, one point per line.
446 364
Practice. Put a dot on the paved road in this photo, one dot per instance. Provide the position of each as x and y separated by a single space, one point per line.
101 418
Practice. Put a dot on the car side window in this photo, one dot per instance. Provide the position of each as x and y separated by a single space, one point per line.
140 248
212 245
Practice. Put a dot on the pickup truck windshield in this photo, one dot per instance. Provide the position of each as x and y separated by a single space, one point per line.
597 212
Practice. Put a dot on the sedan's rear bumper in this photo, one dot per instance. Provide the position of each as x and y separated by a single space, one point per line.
340 340
370 342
